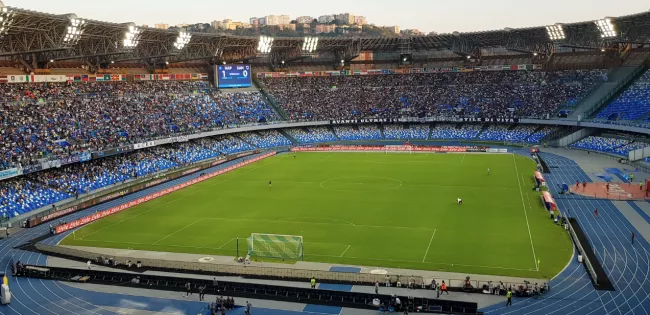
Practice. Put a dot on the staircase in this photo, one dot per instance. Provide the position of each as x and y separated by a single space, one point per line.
270 99
288 136
381 131
331 129
617 80
485 126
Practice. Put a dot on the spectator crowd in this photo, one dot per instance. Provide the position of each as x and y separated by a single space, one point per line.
478 94
55 120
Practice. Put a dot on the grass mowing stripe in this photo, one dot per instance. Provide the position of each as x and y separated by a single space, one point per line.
530 235
357 217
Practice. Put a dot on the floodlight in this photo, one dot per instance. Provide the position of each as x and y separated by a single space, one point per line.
74 30
535 54
468 56
223 62
555 32
112 61
166 62
265 44
131 37
182 40
342 61
282 61
310 44
6 19
606 28
51 60
602 49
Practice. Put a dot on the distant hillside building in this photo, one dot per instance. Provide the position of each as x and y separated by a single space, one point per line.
277 19
304 19
325 19
162 26
360 20
324 28
346 18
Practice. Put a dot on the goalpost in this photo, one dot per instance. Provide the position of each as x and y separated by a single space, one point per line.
275 246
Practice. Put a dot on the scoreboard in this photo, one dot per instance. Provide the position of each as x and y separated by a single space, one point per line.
233 76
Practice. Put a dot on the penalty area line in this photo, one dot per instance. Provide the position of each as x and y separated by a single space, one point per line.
431 240
345 251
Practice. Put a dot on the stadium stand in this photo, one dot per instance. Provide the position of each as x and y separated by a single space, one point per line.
27 132
632 104
601 144
361 132
449 131
312 135
419 131
265 139
538 135
484 94
505 133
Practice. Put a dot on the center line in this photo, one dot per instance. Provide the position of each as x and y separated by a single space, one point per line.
431 240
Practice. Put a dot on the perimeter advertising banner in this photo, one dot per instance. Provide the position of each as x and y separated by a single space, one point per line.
393 148
94 217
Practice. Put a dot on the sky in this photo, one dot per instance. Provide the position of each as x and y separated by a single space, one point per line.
426 15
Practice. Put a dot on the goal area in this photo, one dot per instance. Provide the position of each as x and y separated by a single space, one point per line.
275 246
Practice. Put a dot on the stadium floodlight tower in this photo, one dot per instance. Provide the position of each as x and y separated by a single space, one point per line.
131 37
264 45
555 32
606 28
182 40
6 18
309 45
74 30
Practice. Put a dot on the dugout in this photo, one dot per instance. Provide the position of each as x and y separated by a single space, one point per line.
549 202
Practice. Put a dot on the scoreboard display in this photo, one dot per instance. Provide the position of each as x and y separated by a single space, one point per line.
233 76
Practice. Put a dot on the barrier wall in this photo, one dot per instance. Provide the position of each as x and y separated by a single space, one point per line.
394 148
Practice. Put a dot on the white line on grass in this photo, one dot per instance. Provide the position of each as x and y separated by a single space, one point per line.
431 240
521 193
181 197
226 243
463 158
530 208
181 229
346 249
148 244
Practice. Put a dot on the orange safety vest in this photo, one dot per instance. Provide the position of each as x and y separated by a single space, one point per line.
444 286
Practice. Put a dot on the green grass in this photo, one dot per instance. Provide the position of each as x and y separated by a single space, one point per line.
369 209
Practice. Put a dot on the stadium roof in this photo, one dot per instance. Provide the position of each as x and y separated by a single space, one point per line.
35 38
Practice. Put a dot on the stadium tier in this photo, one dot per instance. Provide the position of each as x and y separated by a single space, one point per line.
415 132
56 120
491 94
632 104
450 131
312 135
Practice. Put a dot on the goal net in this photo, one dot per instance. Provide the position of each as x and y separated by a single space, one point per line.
275 246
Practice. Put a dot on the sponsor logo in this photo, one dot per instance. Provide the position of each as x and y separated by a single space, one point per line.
59 213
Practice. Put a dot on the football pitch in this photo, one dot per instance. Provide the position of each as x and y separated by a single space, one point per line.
367 209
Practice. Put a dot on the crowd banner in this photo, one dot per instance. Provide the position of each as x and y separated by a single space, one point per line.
9 173
333 73
94 217
144 145
170 77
